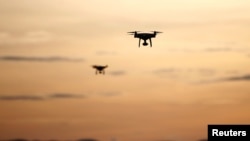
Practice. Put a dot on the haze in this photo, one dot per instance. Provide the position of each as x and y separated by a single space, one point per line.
197 72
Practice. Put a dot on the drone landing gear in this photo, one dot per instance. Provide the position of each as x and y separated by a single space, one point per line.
145 43
150 42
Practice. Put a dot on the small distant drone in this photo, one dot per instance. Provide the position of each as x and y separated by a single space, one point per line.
144 36
99 69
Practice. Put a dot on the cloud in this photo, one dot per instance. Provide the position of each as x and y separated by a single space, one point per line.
65 95
102 52
188 75
166 140
166 70
202 140
39 98
40 59
18 139
237 78
200 71
226 49
206 72
31 37
108 94
87 140
22 97
210 49
231 78
117 73
223 49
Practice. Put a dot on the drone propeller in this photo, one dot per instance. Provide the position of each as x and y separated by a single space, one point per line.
133 32
157 31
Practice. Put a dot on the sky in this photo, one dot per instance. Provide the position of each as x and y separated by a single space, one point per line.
197 72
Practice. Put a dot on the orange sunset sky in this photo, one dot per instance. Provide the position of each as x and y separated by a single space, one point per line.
197 72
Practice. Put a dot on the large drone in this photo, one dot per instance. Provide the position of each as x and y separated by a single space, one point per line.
144 37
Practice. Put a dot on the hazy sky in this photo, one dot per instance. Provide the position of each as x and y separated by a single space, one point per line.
197 72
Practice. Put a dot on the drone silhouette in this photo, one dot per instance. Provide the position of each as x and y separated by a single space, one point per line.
144 36
99 69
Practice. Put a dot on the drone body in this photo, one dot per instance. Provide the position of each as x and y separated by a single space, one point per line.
99 69
144 37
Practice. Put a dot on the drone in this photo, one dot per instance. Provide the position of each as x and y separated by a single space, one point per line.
144 36
99 69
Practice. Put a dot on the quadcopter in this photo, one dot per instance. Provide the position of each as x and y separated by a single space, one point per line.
99 69
144 36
